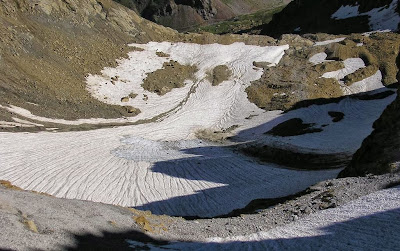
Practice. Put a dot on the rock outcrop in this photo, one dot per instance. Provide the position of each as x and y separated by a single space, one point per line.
380 152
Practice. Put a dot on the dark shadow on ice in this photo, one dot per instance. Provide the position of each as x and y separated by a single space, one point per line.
355 114
301 107
240 179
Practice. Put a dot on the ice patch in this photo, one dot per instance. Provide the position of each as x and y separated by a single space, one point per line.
318 58
350 65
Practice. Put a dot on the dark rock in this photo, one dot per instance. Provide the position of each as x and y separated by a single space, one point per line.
314 16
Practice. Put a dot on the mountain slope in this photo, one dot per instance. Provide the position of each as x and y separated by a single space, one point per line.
48 47
187 15
335 17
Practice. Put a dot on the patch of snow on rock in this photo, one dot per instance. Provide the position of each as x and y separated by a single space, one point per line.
368 84
336 40
381 18
350 65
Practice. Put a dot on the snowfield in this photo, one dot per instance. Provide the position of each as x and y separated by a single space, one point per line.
161 166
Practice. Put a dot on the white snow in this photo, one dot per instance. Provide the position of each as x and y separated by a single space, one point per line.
350 65
161 165
368 84
367 34
131 72
369 223
326 42
383 18
134 170
237 56
336 137
318 58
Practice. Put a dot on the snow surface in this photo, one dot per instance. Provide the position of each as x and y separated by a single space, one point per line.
369 223
351 65
238 57
174 177
161 166
19 123
344 136
382 18
345 12
318 58
326 42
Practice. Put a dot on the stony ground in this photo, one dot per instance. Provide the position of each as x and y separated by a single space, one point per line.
70 224
324 195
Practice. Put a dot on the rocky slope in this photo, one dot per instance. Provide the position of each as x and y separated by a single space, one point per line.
187 15
48 47
334 17
32 221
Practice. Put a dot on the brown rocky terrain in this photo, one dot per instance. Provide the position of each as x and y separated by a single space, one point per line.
48 47
296 79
